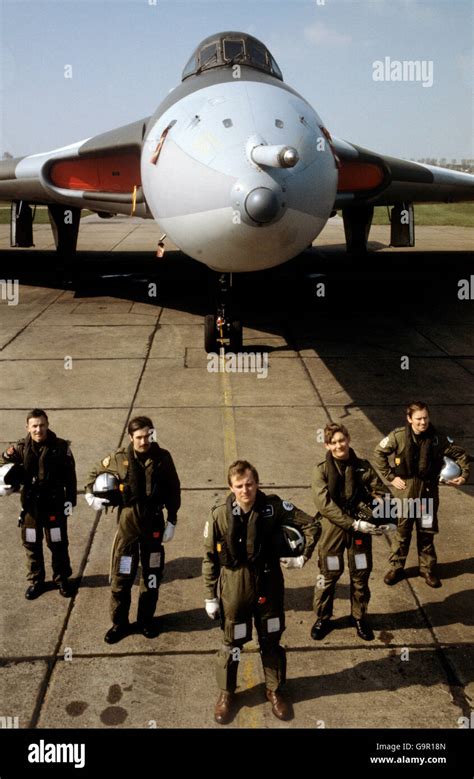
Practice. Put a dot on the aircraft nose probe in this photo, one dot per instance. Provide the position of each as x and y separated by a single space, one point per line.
274 156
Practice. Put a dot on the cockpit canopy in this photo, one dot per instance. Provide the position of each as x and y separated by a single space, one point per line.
231 48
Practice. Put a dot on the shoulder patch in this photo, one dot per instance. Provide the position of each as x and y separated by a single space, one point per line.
287 505
106 462
384 442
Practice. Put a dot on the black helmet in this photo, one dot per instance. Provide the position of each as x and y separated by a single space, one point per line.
289 541
107 485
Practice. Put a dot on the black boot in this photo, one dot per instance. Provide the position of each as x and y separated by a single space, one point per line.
320 629
116 633
363 629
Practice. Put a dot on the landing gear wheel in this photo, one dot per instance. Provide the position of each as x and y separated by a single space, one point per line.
235 336
210 342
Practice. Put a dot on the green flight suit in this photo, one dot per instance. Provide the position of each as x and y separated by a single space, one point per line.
392 448
47 497
337 535
139 536
252 589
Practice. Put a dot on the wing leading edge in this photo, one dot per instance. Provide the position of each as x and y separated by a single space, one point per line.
368 178
100 173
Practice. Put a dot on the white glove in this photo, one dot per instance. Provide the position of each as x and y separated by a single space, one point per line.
212 608
292 562
96 503
5 490
169 532
366 527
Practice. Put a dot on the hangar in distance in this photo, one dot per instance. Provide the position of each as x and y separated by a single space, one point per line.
237 169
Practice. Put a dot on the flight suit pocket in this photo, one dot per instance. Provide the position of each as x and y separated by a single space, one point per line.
331 564
237 632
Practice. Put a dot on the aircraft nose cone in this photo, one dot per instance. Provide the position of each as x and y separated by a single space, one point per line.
262 204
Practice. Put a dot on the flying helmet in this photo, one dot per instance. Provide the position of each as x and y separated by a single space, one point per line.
107 486
290 541
450 470
11 475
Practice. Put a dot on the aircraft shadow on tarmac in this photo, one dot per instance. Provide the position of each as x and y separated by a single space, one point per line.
376 307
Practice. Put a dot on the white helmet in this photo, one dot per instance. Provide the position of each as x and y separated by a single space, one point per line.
450 470
107 485
10 475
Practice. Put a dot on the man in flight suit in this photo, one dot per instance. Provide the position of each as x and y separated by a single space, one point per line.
339 483
243 579
417 451
47 473
148 482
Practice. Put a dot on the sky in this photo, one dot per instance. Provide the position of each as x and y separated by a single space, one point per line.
125 55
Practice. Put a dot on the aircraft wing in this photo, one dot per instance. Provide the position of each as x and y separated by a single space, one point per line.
101 173
368 178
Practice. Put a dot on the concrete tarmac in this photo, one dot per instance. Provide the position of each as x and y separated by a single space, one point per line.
120 333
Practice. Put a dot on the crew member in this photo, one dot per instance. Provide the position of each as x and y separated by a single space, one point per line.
46 470
411 459
340 484
244 581
148 483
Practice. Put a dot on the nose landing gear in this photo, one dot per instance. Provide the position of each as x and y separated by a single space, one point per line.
221 330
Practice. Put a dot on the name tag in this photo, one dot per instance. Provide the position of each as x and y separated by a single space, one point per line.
240 631
125 565
155 559
273 625
360 561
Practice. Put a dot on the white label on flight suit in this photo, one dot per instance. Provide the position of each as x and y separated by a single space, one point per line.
206 529
155 559
360 560
273 625
426 520
332 562
30 535
240 630
125 564
55 534
384 442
